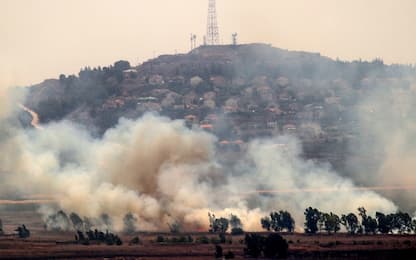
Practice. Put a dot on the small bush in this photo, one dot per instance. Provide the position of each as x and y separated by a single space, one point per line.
229 255
367 242
182 239
237 231
215 241
218 251
135 241
275 246
329 244
118 241
254 245
160 239
203 240
271 246
23 232
222 238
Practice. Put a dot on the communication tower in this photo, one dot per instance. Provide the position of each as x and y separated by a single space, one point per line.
234 35
193 41
212 37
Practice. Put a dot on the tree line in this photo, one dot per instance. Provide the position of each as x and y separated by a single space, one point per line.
60 221
318 221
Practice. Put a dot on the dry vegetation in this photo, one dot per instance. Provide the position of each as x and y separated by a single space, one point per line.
45 244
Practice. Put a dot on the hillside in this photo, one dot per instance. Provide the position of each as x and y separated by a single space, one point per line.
236 92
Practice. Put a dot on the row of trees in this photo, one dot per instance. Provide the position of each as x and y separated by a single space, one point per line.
277 221
318 221
221 225
60 221
98 237
399 222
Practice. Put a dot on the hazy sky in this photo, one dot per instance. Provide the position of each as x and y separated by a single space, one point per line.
42 38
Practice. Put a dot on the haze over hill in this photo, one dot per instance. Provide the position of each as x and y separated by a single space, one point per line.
252 117
44 38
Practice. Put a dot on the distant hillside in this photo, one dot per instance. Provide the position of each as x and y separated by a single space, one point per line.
236 92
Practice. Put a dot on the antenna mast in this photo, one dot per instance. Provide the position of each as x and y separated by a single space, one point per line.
193 41
234 35
212 37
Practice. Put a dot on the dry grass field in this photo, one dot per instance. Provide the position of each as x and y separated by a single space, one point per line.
59 245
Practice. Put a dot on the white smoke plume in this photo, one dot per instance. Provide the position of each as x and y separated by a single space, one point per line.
159 170
385 151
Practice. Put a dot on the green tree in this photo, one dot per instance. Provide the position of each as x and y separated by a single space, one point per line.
106 220
286 220
58 221
175 227
279 221
385 223
331 222
312 216
236 225
350 222
129 221
413 225
254 245
275 246
402 222
76 221
121 65
217 225
87 224
266 223
370 224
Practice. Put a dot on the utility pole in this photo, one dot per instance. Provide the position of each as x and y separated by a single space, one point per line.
212 37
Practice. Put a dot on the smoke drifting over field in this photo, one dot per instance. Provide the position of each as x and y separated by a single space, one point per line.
387 120
161 171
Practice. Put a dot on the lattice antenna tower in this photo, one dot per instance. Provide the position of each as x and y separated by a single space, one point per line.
212 37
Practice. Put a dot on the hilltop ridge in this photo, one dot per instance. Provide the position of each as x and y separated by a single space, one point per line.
236 92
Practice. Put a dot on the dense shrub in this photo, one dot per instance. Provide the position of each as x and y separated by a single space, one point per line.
237 231
202 240
218 251
275 246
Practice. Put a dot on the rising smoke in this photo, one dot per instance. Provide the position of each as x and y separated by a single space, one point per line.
385 151
159 170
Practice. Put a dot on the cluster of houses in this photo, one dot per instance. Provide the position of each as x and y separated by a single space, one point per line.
255 109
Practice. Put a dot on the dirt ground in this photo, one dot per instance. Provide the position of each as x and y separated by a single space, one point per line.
54 245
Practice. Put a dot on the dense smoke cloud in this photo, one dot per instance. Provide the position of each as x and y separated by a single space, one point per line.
385 151
3 103
161 171
8 99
